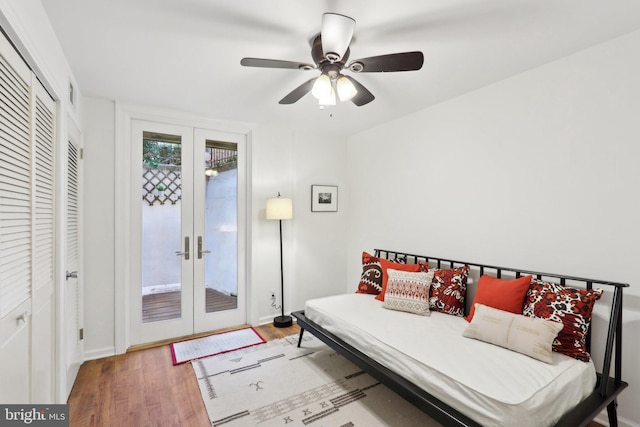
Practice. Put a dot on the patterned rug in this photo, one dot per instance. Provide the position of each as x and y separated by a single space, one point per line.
277 384
184 351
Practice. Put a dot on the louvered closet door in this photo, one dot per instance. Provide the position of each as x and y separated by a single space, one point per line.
15 226
43 296
72 287
27 224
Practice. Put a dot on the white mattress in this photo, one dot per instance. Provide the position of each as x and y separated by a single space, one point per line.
492 385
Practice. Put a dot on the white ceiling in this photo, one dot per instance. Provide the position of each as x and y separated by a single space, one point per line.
185 54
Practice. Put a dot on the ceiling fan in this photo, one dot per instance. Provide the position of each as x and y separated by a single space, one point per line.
330 53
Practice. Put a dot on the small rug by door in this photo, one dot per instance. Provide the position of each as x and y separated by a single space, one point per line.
184 351
278 384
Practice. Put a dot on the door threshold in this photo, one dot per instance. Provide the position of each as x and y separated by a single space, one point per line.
160 343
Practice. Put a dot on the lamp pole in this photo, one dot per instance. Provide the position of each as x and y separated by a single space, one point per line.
282 321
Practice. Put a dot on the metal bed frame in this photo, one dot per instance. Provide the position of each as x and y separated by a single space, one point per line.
603 396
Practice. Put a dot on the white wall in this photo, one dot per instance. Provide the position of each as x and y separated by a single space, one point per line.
313 243
271 172
320 250
99 227
539 171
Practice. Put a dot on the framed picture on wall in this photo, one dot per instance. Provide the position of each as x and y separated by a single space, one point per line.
324 198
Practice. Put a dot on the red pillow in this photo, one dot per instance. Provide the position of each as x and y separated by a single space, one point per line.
507 295
385 264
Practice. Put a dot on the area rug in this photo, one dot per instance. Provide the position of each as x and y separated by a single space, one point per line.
184 351
278 384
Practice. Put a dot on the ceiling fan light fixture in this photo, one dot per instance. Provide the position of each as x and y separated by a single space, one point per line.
330 51
346 90
337 32
322 87
329 99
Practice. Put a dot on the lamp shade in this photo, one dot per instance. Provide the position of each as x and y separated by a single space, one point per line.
346 89
322 87
279 208
337 31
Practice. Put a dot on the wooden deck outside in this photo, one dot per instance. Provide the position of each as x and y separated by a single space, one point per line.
166 305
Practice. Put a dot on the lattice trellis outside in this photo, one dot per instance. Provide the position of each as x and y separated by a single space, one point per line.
161 184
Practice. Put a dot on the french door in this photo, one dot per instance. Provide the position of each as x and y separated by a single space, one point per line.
187 234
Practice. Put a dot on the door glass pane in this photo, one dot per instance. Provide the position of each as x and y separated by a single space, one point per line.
221 226
161 222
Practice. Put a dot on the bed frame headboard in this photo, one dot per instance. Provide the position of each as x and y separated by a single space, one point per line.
614 332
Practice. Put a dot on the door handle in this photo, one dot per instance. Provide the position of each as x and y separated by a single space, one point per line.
186 248
72 275
200 250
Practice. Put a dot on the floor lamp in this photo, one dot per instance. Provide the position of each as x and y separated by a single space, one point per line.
280 208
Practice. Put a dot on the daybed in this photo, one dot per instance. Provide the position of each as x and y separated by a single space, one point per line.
460 381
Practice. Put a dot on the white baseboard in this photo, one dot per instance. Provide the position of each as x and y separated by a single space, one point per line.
269 319
99 353
623 422
603 419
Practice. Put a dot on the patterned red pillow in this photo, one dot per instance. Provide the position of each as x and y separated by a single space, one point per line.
448 289
572 307
371 278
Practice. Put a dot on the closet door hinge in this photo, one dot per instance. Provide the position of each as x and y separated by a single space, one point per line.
81 153
81 334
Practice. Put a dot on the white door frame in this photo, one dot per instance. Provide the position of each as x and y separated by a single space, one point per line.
124 114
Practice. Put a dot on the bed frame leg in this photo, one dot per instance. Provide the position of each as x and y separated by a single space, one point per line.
612 412
300 337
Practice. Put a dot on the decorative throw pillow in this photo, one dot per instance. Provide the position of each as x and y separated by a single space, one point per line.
386 265
448 289
572 307
408 291
507 295
372 275
527 335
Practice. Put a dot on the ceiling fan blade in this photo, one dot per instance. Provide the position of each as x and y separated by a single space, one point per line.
406 61
298 92
363 96
275 63
337 31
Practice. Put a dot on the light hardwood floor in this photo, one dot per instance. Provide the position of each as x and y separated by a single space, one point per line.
143 388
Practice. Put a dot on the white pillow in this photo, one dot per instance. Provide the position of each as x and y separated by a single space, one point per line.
527 335
408 291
